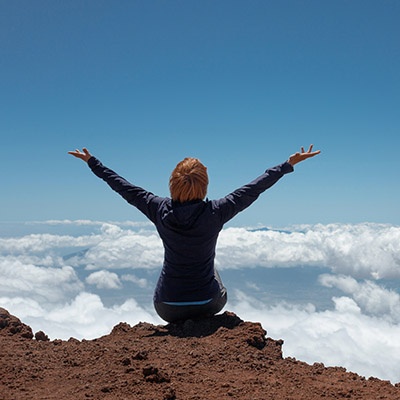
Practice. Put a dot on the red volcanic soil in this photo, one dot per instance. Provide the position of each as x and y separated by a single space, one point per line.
221 357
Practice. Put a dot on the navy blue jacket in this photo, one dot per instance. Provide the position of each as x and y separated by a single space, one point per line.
189 230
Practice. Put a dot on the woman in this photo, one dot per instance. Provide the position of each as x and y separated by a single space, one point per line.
188 224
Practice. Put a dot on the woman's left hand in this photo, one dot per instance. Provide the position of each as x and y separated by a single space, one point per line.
303 155
83 155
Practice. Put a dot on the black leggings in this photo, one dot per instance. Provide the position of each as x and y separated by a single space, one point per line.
171 313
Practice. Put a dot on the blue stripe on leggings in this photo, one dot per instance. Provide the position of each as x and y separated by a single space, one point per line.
187 303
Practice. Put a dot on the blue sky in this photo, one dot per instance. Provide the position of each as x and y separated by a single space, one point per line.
239 84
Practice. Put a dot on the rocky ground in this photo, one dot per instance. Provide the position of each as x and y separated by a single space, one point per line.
216 358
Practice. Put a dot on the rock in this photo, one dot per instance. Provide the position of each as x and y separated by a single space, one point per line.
41 336
11 325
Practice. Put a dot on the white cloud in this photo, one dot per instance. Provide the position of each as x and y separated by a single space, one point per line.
40 243
239 247
141 282
104 280
23 307
87 222
364 250
252 286
370 297
40 283
85 316
125 249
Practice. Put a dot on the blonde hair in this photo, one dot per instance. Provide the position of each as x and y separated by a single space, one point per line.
188 181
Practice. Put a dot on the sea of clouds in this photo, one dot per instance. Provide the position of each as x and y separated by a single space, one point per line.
80 278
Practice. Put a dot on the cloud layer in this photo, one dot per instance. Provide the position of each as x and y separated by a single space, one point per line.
364 250
61 284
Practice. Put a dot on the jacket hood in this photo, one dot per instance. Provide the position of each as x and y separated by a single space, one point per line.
183 215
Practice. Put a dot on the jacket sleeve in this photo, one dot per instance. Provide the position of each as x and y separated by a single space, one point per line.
143 200
243 197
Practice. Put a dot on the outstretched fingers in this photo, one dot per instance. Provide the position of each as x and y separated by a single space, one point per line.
302 155
83 155
311 153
